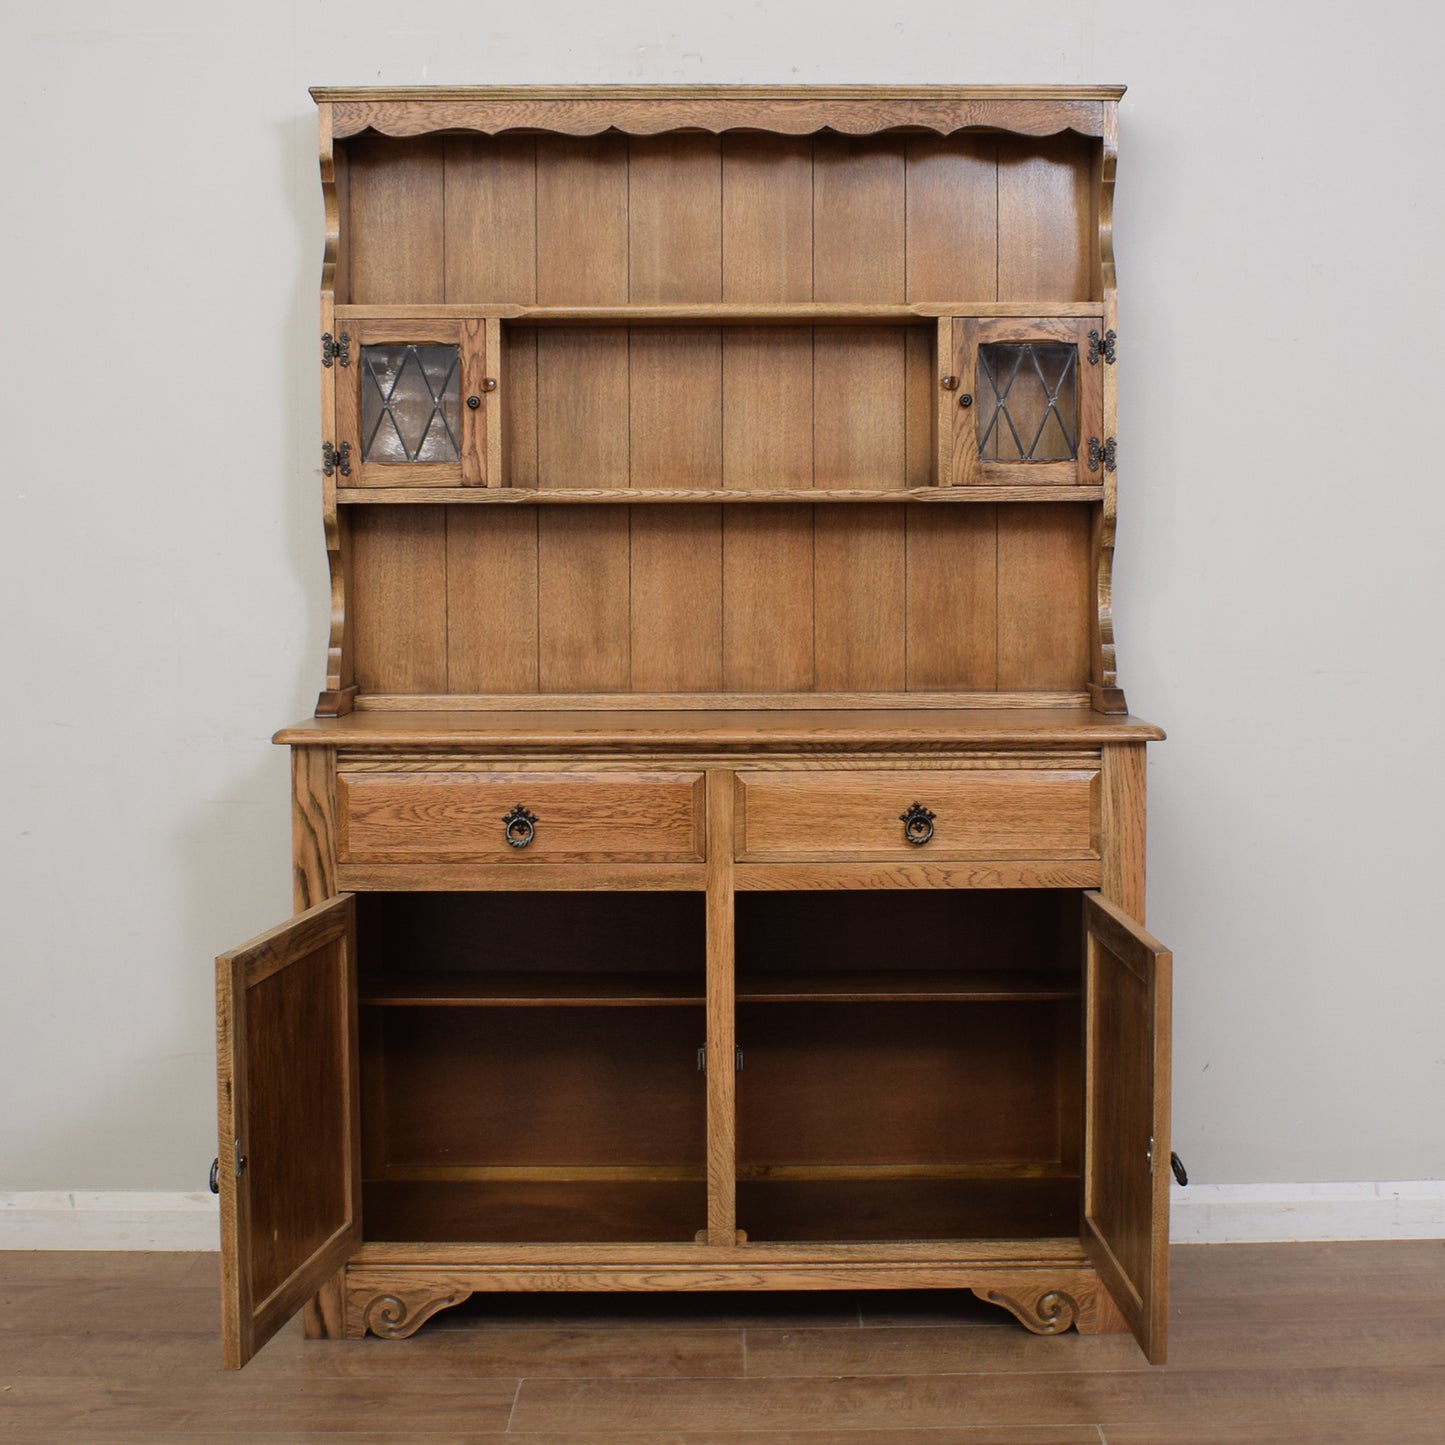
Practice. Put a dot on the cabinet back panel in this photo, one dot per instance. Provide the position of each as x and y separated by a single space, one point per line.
744 598
610 219
899 1084
533 1087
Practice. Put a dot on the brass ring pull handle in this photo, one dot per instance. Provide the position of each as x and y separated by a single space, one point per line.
917 824
519 827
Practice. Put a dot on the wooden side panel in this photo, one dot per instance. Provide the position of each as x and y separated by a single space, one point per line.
313 826
1044 598
1045 219
399 598
952 598
1126 1155
952 218
491 218
396 221
859 604
1123 827
768 599
676 599
721 1035
767 218
288 1121
582 602
492 583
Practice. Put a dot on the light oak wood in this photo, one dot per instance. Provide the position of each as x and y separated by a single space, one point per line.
719 1025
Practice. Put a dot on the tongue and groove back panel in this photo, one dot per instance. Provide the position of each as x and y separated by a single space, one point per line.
706 598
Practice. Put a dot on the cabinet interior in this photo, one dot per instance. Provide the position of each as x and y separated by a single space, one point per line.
908 1065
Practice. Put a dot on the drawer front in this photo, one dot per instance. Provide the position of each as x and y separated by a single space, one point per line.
1008 813
461 817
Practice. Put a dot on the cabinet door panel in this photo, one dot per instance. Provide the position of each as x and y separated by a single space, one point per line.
290 1176
1126 1166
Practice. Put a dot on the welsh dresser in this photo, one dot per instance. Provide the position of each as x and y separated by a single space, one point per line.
719 847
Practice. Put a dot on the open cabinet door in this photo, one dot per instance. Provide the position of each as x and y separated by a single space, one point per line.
1126 1140
290 1170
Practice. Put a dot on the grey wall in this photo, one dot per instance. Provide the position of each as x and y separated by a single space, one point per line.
1278 584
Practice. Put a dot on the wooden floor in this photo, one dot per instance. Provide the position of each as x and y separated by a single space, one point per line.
1269 1343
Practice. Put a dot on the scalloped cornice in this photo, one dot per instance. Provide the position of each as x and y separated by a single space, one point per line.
648 110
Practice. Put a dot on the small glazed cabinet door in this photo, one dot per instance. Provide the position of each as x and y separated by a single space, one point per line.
417 403
1028 407
1126 1145
289 1169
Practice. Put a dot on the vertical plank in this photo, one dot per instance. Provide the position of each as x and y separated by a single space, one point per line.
399 559
952 218
858 616
519 405
674 218
1043 598
921 398
675 406
582 221
582 621
858 218
768 599
721 1034
492 599
396 221
582 406
676 601
1121 826
859 397
1046 234
491 218
767 218
951 598
767 407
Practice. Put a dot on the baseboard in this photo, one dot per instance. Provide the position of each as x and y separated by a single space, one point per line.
1200 1214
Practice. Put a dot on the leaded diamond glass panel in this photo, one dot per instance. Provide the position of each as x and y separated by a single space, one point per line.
411 403
1028 401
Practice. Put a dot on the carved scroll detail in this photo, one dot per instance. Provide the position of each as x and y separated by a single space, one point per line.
1041 1310
402 1312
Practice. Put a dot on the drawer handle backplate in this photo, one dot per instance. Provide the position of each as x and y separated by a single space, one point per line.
519 827
917 824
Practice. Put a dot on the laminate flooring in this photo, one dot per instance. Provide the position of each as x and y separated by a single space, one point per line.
1276 1343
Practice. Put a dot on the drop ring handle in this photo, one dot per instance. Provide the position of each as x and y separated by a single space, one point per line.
917 824
519 827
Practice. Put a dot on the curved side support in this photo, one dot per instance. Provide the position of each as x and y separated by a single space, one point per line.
1107 695
402 1312
1040 1309
786 115
337 697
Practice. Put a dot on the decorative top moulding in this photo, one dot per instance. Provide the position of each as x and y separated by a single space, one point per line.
648 110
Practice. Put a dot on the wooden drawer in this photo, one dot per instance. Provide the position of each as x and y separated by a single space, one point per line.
978 813
459 817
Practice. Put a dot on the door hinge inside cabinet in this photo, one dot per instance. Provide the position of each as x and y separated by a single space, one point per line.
340 348
240 1158
702 1060
1107 453
335 459
1105 346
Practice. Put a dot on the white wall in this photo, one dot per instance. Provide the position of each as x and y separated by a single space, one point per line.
1278 585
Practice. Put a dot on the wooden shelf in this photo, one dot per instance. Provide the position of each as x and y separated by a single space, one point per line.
752 313
535 989
571 496
913 986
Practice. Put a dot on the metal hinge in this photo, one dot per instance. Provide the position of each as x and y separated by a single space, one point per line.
335 459
702 1060
1105 346
1107 453
1149 1154
340 348
240 1158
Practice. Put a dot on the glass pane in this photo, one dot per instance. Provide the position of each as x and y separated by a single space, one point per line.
411 403
1028 401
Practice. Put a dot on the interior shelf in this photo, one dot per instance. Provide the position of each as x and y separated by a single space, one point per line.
896 985
533 989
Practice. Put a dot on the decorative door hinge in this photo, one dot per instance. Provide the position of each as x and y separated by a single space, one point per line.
702 1060
1107 453
340 348
335 459
1105 346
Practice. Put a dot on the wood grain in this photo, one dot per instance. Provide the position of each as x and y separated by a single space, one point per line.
399 562
676 600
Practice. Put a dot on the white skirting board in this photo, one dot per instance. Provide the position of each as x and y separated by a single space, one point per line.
1200 1214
